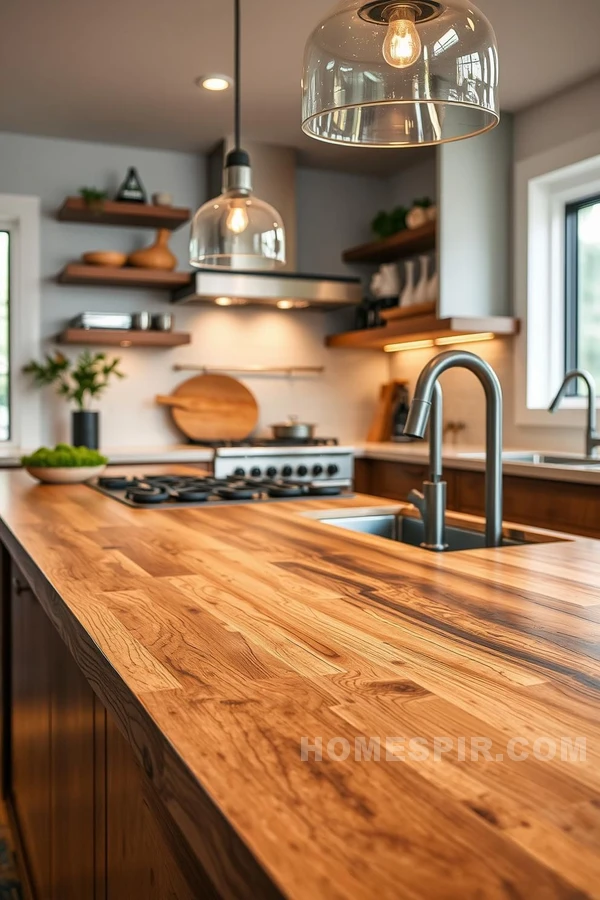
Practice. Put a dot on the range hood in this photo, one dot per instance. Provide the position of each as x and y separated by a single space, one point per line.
288 290
274 175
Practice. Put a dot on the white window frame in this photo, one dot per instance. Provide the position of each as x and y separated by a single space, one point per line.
544 185
20 216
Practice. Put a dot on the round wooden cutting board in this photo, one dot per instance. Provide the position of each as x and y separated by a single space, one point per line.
213 408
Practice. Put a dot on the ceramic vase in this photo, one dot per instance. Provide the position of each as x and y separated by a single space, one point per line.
407 295
421 290
157 256
85 428
433 287
416 218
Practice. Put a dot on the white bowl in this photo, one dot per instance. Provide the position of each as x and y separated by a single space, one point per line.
66 475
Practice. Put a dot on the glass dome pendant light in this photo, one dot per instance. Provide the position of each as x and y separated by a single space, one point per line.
400 73
237 230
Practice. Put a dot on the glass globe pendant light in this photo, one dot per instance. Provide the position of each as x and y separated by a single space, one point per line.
400 73
237 230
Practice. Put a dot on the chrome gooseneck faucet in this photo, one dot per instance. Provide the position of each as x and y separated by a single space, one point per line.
421 408
592 437
431 502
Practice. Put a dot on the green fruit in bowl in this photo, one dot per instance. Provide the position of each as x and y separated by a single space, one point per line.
64 464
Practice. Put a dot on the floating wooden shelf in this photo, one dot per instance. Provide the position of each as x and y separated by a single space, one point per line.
398 246
122 338
78 273
424 328
408 312
138 215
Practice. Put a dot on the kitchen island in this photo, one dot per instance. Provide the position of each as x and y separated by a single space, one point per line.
196 655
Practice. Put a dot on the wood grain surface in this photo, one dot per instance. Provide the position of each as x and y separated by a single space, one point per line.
219 638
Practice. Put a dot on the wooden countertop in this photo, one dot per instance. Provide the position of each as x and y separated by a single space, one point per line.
219 638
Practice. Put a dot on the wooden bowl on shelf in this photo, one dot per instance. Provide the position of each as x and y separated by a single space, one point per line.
111 258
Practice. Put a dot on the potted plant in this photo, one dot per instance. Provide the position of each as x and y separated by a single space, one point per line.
93 198
81 381
64 464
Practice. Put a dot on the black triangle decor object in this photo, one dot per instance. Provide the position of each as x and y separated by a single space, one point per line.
132 189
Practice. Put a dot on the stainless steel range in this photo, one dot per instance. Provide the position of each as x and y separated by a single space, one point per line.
307 464
241 475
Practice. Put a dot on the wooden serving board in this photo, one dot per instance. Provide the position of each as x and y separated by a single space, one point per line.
213 408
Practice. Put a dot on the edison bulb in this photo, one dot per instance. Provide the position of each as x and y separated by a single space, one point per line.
237 220
402 44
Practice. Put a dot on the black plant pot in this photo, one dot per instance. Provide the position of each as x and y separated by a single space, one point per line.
86 429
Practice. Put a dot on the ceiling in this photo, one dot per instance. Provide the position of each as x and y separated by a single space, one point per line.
123 71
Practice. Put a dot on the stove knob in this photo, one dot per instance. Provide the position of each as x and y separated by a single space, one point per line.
271 471
286 471
255 472
333 469
317 470
241 472
302 471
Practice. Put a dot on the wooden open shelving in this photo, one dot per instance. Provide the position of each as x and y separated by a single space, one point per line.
405 243
78 273
424 328
137 215
123 338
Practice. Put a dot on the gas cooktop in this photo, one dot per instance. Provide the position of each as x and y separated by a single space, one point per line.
177 491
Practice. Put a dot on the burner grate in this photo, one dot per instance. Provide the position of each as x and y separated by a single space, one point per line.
172 491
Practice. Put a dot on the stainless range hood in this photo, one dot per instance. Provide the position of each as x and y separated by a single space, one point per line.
288 290
274 175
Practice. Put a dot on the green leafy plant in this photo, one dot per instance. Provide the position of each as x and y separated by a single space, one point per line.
385 224
64 456
93 197
423 202
80 381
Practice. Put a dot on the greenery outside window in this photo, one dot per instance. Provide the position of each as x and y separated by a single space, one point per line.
582 286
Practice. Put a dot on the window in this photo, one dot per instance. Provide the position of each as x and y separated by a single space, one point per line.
20 406
582 286
4 336
557 278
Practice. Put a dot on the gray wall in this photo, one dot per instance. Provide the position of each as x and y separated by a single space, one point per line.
335 211
558 120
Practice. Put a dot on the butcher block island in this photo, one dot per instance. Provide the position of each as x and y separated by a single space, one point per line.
245 702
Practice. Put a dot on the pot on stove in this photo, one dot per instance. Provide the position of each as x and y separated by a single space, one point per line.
293 430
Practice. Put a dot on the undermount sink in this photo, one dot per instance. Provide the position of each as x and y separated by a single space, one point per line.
410 530
540 459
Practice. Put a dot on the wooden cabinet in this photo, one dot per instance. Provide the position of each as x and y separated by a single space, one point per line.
556 505
140 859
90 824
71 778
32 636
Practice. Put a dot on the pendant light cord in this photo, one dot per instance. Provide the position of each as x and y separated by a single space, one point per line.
237 74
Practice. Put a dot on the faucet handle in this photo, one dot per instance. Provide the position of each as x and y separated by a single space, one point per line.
417 498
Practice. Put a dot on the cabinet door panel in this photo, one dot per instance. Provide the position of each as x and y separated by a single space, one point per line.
145 857
394 480
32 636
72 779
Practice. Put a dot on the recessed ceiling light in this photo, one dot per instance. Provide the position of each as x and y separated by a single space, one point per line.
214 82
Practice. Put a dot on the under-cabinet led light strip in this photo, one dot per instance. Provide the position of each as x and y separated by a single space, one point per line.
440 342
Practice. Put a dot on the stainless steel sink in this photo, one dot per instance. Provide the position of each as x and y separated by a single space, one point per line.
540 459
409 530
